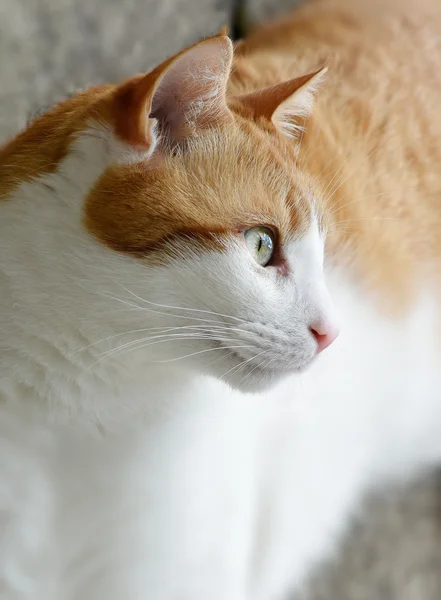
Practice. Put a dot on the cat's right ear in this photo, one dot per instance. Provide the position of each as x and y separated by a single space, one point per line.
181 97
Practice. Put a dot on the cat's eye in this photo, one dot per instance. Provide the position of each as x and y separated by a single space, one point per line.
260 242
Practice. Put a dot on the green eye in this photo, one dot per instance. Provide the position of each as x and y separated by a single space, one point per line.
260 243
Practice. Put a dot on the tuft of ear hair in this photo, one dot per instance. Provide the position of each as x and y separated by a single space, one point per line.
183 95
286 104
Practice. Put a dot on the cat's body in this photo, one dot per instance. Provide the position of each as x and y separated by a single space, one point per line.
124 478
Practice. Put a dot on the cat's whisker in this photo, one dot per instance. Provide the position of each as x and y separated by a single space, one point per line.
346 230
202 352
247 375
165 329
369 219
321 179
166 337
353 171
217 359
145 342
134 307
242 364
367 197
344 163
167 314
379 194
235 367
180 307
116 335
330 183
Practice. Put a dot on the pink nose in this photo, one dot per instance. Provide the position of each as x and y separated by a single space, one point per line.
324 335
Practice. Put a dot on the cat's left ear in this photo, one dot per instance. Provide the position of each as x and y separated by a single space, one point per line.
182 96
286 104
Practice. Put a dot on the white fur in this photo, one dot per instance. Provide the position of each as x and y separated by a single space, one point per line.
138 475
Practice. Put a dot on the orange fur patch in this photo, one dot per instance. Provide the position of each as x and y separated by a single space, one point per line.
39 148
136 208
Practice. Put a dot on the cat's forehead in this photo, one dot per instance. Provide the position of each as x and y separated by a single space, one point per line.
222 184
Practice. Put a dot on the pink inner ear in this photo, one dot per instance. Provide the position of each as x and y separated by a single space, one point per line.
191 92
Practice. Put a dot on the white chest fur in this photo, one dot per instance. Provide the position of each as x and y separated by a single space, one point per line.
227 496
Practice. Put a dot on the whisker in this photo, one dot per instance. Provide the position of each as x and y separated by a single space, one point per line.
156 312
339 208
344 163
369 219
351 173
182 308
242 364
163 329
202 352
165 337
139 344
247 375
339 169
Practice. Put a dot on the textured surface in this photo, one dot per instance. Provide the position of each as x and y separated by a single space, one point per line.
393 552
50 47
259 10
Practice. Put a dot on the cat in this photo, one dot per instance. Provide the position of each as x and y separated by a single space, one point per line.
220 314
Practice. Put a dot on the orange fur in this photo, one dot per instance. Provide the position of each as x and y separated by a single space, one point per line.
370 153
372 141
123 209
136 208
39 148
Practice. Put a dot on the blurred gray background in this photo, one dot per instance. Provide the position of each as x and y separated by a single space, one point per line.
52 47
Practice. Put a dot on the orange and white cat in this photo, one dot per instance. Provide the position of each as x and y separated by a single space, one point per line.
175 254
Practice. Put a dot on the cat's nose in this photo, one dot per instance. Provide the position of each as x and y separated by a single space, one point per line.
324 334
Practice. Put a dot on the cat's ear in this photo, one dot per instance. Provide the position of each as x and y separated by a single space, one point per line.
286 104
183 95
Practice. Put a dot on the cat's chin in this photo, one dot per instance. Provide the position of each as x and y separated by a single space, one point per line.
254 385
240 375
255 381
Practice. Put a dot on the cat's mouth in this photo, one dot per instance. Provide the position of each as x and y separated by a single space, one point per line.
265 352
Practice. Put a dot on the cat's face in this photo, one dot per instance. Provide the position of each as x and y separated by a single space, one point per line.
233 242
208 235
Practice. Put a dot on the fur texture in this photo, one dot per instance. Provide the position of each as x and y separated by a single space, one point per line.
135 462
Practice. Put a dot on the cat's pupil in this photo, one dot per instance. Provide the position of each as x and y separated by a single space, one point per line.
259 246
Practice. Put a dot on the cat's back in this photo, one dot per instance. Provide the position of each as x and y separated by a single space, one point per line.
383 58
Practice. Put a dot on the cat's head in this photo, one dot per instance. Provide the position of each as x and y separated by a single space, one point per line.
193 237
